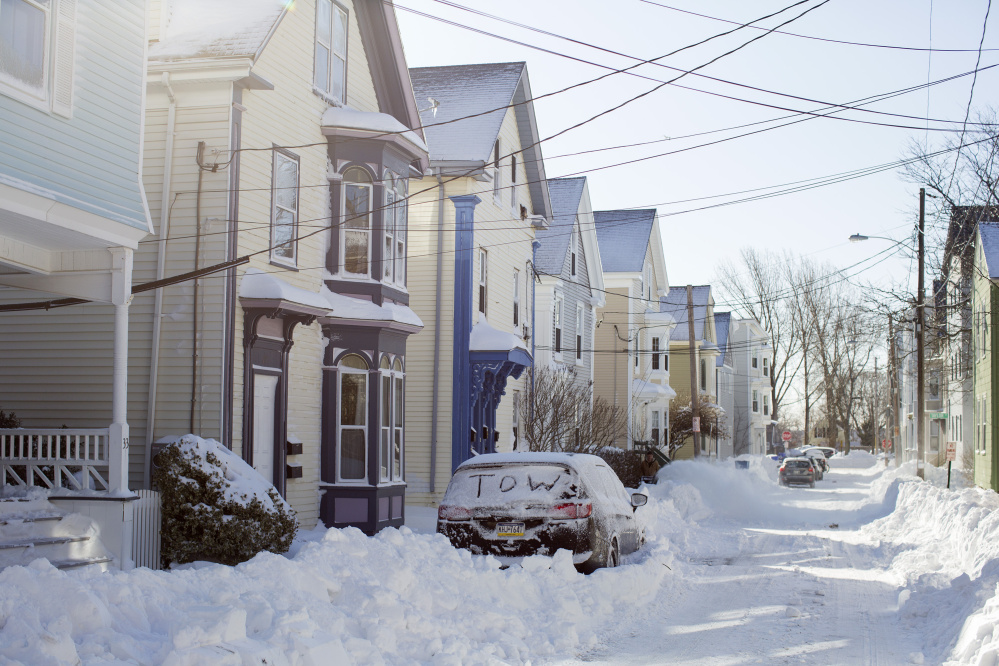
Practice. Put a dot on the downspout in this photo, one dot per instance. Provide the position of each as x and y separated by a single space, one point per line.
535 244
437 331
154 360
194 307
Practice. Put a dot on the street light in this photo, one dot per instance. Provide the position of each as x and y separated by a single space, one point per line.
920 323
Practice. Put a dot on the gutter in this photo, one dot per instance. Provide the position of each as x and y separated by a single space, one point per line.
154 352
437 330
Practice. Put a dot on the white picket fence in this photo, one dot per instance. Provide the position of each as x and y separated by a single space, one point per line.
74 458
146 529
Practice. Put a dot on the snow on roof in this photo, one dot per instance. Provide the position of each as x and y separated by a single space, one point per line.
675 303
623 237
260 285
565 194
989 232
486 338
216 28
465 90
645 390
371 122
346 307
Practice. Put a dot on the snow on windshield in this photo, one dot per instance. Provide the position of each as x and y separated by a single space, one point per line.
495 485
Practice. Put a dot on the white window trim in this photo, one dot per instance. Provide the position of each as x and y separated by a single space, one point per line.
513 186
497 173
341 371
392 375
573 257
394 187
327 93
281 154
558 315
59 61
342 266
483 282
579 348
516 301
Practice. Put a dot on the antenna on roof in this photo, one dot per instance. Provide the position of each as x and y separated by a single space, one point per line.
434 105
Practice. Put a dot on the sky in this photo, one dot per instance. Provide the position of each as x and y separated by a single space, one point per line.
698 234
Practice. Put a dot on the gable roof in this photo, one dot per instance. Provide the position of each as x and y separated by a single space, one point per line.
216 28
961 230
565 195
989 233
473 101
722 321
675 304
623 237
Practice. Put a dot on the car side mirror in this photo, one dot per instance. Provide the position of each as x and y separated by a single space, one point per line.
638 499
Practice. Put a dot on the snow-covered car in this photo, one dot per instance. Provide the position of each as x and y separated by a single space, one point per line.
798 469
520 504
826 451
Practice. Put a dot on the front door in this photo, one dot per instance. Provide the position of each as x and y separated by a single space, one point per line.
264 394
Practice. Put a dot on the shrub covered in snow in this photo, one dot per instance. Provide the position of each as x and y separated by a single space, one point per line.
626 464
216 507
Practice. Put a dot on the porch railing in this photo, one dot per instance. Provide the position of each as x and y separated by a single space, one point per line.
76 459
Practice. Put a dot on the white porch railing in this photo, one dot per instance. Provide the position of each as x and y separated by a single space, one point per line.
76 458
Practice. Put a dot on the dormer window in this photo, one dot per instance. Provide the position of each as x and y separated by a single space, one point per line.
331 50
356 246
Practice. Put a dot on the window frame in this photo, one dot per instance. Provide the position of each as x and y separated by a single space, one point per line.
558 307
344 229
497 174
279 154
580 319
655 352
572 255
756 401
327 92
58 36
483 280
395 235
341 371
513 185
516 299
391 425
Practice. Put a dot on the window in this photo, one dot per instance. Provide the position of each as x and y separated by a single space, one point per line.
666 361
766 366
655 428
766 404
516 297
284 208
331 50
648 283
579 333
352 419
356 246
638 335
496 170
572 254
704 375
395 221
515 432
483 275
513 184
557 324
755 362
37 59
392 413
756 401
655 353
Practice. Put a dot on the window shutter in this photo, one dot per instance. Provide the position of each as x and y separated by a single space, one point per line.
64 56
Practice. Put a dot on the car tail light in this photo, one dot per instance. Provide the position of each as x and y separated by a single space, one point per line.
811 470
571 511
451 512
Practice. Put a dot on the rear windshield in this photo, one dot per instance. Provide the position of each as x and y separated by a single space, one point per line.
798 463
495 485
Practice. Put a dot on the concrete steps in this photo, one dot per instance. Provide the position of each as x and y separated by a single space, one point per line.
34 528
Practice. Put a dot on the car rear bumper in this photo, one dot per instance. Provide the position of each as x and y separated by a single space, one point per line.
479 537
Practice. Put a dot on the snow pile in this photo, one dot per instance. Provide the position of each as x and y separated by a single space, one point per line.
396 598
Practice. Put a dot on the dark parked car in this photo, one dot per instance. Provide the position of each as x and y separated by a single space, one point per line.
519 504
797 470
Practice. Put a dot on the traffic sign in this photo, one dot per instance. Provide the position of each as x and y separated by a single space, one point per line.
786 436
696 426
951 451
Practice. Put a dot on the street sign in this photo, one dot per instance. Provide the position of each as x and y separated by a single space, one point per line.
939 416
951 451
786 436
886 444
697 424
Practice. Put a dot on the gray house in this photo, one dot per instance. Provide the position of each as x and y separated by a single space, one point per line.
570 282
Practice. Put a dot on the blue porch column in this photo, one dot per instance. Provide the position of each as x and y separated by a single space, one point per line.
461 407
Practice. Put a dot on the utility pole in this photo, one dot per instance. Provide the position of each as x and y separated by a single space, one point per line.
896 427
694 392
920 335
877 431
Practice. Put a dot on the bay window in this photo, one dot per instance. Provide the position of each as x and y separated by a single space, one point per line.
395 222
392 417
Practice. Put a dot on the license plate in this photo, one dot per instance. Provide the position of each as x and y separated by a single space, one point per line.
510 529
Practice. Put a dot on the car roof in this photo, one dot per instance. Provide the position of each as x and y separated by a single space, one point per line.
576 461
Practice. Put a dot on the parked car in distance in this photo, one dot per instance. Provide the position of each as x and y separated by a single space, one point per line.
826 451
797 470
520 504
819 460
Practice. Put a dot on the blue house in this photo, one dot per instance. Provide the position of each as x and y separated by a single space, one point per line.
72 212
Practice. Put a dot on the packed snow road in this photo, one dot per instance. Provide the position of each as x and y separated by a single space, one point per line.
787 579
873 566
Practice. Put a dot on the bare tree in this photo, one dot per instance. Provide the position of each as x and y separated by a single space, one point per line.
761 286
560 414
714 422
